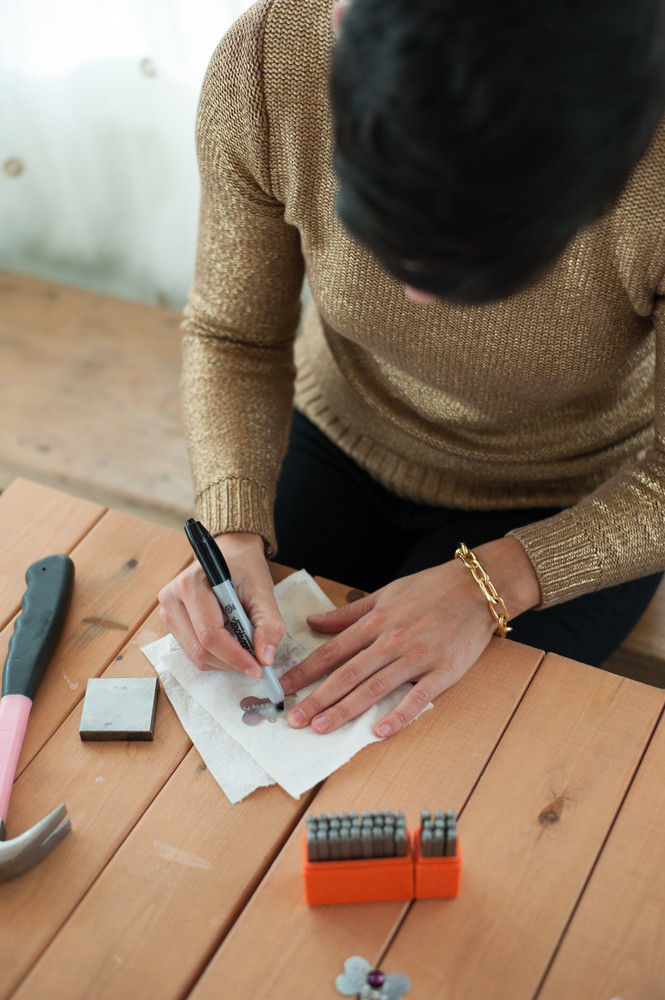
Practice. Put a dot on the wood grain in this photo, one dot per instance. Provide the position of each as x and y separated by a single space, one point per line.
171 891
647 639
120 565
106 787
530 835
163 889
36 521
90 394
432 764
176 883
614 946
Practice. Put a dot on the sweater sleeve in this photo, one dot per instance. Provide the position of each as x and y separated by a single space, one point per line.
617 533
244 305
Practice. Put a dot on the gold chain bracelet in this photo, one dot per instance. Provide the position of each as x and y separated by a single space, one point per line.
497 607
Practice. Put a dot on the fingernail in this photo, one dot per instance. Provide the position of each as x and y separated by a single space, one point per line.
253 672
297 718
269 654
385 729
286 684
322 724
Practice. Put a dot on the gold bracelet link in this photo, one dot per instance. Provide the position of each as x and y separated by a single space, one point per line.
497 607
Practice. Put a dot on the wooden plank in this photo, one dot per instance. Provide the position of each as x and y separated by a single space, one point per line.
614 945
84 489
638 668
642 654
155 915
530 836
339 593
278 571
120 566
647 639
431 764
36 521
89 388
173 888
106 787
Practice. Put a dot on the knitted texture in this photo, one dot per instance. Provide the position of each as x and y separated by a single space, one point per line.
544 398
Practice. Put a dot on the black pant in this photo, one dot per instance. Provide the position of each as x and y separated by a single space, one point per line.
334 520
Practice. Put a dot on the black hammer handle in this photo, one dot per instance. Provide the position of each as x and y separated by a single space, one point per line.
39 626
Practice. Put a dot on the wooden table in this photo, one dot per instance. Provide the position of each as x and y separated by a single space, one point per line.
163 889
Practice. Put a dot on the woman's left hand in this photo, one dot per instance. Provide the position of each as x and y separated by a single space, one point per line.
427 629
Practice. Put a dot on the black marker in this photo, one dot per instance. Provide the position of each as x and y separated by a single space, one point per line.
238 624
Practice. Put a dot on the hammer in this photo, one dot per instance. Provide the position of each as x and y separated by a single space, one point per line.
36 633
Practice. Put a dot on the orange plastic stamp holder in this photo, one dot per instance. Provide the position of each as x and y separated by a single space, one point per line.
358 880
373 880
436 878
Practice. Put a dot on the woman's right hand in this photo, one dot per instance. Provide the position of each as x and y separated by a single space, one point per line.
191 612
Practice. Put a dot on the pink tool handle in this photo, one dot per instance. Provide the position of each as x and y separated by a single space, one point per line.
14 712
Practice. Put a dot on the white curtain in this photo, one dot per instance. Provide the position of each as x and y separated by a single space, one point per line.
98 178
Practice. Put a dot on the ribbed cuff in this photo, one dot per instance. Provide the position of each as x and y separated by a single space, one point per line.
238 505
566 562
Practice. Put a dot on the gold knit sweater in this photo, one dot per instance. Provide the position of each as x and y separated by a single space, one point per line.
544 398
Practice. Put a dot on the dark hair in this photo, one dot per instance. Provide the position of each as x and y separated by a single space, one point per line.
474 137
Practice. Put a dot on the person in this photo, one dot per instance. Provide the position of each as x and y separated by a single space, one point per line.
476 193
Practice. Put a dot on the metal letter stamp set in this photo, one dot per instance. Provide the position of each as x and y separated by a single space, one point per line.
364 857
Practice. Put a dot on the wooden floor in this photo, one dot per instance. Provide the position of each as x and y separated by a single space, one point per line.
89 403
89 397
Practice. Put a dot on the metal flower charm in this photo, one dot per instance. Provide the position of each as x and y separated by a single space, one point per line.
255 710
367 983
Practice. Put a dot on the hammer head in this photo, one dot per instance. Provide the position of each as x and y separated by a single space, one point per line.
28 849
